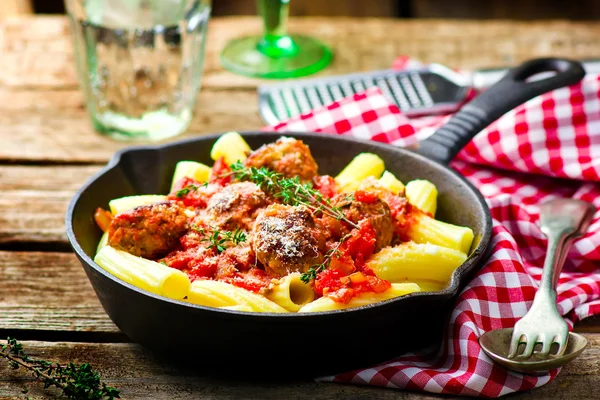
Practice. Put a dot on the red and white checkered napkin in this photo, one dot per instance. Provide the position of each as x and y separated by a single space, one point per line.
517 163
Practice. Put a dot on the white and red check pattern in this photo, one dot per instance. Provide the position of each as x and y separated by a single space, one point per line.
553 136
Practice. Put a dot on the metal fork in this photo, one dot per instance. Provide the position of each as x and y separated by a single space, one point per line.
562 221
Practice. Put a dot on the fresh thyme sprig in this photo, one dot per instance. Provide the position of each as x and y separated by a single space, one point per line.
289 190
75 381
312 272
220 239
186 190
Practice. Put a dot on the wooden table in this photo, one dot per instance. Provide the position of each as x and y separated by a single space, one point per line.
48 149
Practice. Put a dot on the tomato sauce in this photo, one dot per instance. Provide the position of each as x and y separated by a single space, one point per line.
345 274
326 185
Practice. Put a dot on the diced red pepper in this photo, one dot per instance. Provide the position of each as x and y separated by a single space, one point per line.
103 218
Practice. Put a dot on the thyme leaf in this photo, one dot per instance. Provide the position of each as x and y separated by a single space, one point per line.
75 381
312 272
289 190
220 240
186 190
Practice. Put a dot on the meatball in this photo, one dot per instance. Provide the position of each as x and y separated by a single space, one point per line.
286 239
288 156
235 206
149 231
375 210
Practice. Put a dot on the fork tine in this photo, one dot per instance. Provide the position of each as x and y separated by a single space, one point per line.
514 343
529 347
562 343
546 344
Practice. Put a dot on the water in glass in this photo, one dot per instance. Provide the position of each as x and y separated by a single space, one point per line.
139 63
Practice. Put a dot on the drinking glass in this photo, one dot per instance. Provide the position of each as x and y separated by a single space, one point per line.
276 54
139 63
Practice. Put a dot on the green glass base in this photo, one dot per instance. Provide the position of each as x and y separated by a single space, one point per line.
303 56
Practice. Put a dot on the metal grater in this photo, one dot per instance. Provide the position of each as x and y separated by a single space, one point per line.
436 89
432 90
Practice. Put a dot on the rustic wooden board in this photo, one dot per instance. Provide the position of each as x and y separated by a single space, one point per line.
59 130
139 375
32 208
44 291
34 201
47 121
37 50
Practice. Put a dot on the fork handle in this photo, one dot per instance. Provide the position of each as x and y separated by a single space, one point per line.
559 242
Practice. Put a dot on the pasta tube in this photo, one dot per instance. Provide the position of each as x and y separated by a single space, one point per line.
291 293
423 195
391 183
220 294
327 304
361 167
430 285
237 307
413 262
103 242
145 274
190 169
117 206
428 230
230 146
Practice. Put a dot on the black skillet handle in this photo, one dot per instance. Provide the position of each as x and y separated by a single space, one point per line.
509 92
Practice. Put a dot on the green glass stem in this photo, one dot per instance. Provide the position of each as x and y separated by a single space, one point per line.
276 54
276 42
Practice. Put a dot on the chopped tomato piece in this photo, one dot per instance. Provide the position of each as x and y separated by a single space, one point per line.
361 244
343 295
326 185
328 281
365 197
221 172
183 183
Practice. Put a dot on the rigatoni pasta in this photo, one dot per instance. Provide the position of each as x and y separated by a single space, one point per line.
429 230
362 166
290 292
423 195
145 274
262 231
390 182
190 169
363 299
203 292
414 262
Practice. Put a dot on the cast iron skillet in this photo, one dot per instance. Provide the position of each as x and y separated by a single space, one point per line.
295 343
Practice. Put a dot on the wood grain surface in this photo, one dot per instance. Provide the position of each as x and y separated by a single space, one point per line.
140 375
48 149
43 115
45 291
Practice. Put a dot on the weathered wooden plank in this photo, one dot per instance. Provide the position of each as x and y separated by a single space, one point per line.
37 51
34 201
44 119
61 131
48 292
139 375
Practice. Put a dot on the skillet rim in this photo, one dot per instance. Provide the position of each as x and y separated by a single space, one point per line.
459 274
